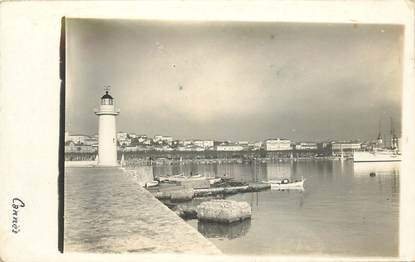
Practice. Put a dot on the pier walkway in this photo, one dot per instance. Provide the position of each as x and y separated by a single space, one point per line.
106 211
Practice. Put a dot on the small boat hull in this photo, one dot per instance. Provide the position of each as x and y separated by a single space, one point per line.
163 178
279 184
152 184
377 156
213 181
180 178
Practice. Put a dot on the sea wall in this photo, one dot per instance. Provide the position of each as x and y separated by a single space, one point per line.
86 163
106 211
141 174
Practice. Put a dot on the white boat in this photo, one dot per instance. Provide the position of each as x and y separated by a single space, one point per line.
189 178
286 184
163 178
176 178
179 178
170 178
152 184
214 180
196 176
380 155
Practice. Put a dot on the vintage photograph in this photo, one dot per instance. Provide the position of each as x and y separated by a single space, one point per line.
232 137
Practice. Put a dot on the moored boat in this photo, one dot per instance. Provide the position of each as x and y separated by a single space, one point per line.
163 178
152 184
384 155
379 152
196 176
180 178
213 181
286 184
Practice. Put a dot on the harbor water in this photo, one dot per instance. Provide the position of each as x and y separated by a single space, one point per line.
343 211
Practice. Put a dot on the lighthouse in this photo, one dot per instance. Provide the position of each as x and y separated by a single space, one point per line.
107 140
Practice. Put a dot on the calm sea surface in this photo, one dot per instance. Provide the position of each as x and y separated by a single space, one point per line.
342 211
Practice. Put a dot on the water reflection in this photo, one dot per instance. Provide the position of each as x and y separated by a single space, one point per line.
343 210
379 168
258 171
227 231
278 171
253 172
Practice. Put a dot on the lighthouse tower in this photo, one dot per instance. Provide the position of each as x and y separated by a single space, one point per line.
107 140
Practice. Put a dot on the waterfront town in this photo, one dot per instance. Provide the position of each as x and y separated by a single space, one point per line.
82 147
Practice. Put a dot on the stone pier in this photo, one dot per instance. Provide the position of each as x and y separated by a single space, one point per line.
106 211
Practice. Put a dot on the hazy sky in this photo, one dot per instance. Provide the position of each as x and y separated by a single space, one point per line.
234 80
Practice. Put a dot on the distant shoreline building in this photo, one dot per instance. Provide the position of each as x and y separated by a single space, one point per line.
306 146
228 147
345 145
277 144
204 143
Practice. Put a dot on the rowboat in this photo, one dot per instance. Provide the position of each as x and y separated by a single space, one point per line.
286 184
152 184
163 178
175 178
180 178
214 180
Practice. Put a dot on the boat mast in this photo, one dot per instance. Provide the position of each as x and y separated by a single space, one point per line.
393 138
379 140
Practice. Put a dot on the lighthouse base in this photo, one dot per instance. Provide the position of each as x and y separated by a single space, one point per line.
108 164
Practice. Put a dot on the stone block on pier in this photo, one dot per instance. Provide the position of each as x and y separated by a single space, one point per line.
223 211
183 195
194 183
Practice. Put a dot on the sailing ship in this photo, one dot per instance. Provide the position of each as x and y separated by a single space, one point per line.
379 153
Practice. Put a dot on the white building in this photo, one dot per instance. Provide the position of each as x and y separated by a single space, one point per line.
166 139
187 142
131 148
196 148
77 139
346 146
229 147
123 138
91 142
146 141
277 144
182 148
306 146
142 138
257 145
203 143
163 148
107 136
80 149
122 135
